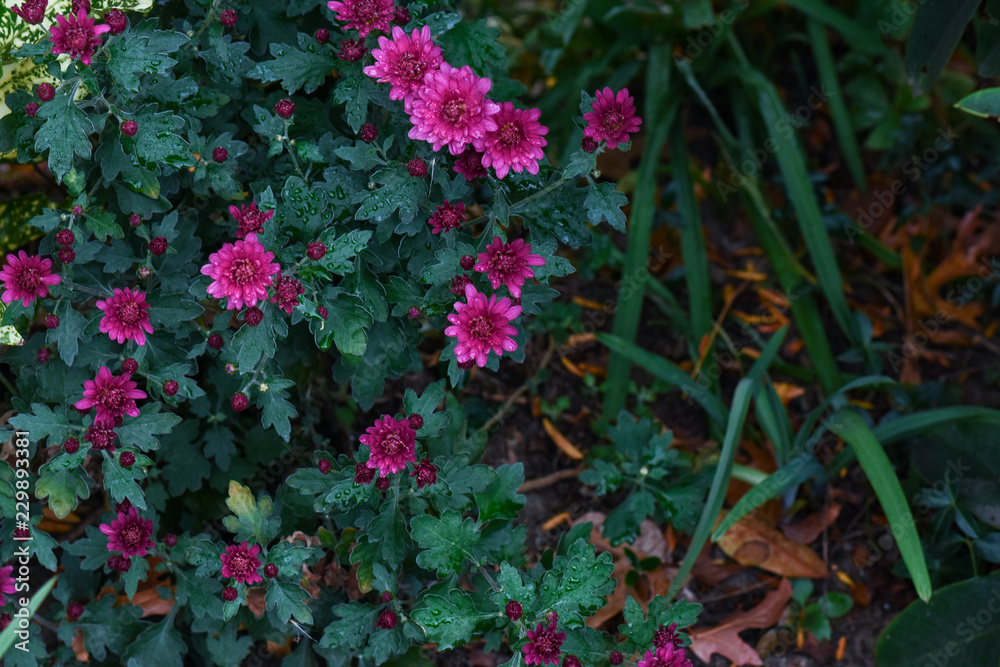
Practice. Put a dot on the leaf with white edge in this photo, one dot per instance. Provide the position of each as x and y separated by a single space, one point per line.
44 423
448 541
604 202
357 622
142 51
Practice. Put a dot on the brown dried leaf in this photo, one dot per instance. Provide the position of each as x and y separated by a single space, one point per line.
725 638
807 530
753 543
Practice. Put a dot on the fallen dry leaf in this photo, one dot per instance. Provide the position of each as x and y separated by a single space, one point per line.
562 442
753 543
82 654
725 638
807 530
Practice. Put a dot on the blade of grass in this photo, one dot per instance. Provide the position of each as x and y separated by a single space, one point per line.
799 462
859 36
884 481
773 419
911 425
717 492
835 98
768 354
666 371
692 238
792 164
661 108
7 636
794 473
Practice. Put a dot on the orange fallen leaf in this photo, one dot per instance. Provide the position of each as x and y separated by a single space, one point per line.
580 339
256 602
587 303
556 520
753 543
573 368
725 638
807 530
841 648
82 654
562 442
151 603
787 392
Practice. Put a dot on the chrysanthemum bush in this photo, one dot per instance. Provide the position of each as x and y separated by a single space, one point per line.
265 202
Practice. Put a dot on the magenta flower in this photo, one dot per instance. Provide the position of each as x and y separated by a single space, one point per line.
517 143
112 395
6 581
393 444
470 164
32 11
126 316
129 533
242 272
250 218
451 109
404 60
77 35
365 15
27 277
665 656
101 437
613 118
286 292
544 645
241 563
481 326
447 217
507 264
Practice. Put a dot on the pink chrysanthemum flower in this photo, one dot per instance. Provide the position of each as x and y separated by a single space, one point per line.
77 35
517 143
665 656
27 277
447 217
404 60
481 326
365 15
241 563
393 444
451 109
101 437
112 395
544 645
613 118
508 264
32 11
129 533
126 316
286 292
250 218
6 581
241 272
470 164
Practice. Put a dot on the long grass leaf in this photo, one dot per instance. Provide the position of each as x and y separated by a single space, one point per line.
859 36
720 482
922 422
792 164
835 98
692 239
7 637
884 481
640 226
668 372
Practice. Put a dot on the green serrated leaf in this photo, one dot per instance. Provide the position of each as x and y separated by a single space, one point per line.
448 542
604 202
